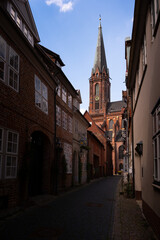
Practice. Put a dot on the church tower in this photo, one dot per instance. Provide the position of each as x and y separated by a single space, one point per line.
99 82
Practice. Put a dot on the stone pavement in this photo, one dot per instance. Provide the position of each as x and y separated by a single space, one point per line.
125 218
129 221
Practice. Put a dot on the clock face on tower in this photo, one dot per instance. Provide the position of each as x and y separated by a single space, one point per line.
96 98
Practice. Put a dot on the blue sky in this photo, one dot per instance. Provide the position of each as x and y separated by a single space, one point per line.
70 28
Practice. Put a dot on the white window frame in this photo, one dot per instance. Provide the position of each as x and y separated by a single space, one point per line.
3 59
1 149
14 70
69 100
69 124
12 143
154 14
41 96
16 17
11 167
144 52
64 94
58 115
156 142
64 120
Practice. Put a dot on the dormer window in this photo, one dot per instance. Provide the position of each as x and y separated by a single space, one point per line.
25 31
13 13
20 23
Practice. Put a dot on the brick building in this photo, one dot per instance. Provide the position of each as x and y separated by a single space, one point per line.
26 108
107 115
103 160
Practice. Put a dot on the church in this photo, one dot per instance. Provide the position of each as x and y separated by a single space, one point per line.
107 115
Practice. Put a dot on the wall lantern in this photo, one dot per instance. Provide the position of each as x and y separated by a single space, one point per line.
139 148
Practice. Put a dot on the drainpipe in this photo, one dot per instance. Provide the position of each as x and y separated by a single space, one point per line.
55 184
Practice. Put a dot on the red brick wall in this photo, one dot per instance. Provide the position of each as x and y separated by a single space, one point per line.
19 113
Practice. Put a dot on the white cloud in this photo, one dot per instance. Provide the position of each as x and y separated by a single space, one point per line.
62 4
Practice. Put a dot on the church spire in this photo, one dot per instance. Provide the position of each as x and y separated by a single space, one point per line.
100 57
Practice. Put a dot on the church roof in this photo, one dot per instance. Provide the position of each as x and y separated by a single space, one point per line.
100 57
115 106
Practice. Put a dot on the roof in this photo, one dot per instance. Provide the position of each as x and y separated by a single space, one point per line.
53 54
100 57
115 106
93 135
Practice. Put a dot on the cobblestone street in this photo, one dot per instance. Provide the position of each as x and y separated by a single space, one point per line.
84 214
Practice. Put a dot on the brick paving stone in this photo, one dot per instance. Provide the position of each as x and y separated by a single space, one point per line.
129 223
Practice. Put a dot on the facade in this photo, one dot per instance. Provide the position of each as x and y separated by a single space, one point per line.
80 149
27 108
143 86
96 156
103 162
106 114
64 121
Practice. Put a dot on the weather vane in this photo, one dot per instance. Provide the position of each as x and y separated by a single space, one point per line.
99 17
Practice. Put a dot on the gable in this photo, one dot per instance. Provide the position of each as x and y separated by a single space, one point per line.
23 8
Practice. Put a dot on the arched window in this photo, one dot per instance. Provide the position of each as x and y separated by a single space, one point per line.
121 149
111 124
97 89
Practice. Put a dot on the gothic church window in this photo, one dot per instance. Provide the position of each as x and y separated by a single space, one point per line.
121 148
111 124
97 89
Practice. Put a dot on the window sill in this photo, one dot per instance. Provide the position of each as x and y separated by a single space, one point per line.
156 185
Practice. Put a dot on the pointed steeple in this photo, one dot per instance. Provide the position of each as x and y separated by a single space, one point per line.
100 57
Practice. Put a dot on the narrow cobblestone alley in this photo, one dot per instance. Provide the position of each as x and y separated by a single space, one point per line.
86 213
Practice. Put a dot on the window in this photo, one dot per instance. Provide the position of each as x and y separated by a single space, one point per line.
11 158
9 62
70 124
18 20
144 52
12 142
156 141
68 156
30 38
59 90
41 95
13 69
69 101
111 124
1 139
96 105
97 89
121 148
154 15
58 116
64 120
8 153
64 94
11 167
13 13
25 30
2 58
